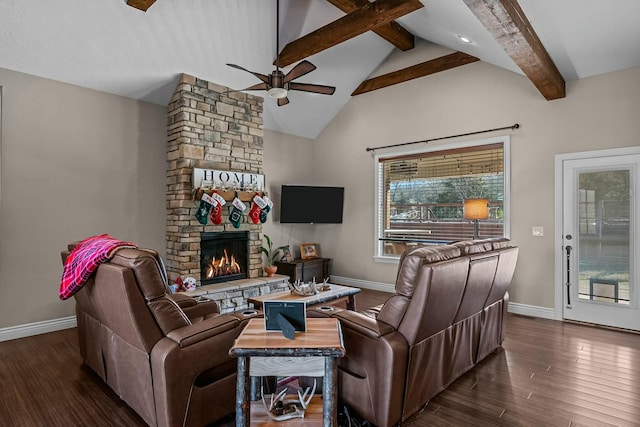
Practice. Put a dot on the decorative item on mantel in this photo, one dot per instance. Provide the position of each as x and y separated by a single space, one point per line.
227 183
214 188
271 255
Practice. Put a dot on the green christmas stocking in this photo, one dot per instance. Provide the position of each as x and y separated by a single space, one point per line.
202 214
236 212
265 211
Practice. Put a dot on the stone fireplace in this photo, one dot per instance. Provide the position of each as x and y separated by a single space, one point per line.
210 129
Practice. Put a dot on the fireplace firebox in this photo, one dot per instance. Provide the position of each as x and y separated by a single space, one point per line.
224 256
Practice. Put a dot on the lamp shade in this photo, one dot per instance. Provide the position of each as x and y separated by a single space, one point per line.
476 209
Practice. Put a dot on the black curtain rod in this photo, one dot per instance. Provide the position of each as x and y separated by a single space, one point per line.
426 141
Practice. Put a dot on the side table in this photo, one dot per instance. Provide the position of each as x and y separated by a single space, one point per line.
305 269
322 339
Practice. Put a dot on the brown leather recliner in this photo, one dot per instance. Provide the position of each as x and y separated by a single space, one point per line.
166 356
447 314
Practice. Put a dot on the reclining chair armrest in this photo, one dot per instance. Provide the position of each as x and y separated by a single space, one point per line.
191 334
195 308
373 371
244 315
193 365
365 325
323 311
183 300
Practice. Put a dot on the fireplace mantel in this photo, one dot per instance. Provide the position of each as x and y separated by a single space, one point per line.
244 196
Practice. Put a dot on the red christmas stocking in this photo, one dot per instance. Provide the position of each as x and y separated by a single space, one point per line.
216 211
256 208
214 201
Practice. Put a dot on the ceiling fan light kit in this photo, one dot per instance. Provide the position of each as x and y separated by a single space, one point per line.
277 92
277 84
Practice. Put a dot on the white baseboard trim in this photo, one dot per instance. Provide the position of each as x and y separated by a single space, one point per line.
516 308
358 283
532 310
37 328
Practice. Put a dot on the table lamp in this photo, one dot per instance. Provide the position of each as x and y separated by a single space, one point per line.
476 209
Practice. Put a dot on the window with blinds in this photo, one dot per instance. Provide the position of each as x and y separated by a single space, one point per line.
421 195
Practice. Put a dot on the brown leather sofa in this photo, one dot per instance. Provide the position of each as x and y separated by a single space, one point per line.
447 314
166 356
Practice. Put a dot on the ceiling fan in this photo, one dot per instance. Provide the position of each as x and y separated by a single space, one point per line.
277 84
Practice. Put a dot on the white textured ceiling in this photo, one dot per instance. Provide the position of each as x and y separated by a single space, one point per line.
109 46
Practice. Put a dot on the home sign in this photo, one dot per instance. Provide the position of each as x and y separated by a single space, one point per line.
230 179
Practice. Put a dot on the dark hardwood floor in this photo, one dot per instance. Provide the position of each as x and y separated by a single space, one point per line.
547 373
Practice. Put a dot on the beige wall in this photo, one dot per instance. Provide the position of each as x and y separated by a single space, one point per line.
598 113
75 162
287 160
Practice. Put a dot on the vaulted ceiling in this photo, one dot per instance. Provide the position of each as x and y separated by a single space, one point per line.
138 48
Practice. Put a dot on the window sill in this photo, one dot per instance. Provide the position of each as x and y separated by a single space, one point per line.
386 259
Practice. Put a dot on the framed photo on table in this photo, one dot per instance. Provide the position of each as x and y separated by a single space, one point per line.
292 313
287 256
308 250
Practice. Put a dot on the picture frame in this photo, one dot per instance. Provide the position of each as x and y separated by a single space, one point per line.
308 250
293 316
287 256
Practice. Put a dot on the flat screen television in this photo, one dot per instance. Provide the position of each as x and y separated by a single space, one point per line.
302 204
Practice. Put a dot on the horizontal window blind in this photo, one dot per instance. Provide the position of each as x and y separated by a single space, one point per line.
421 196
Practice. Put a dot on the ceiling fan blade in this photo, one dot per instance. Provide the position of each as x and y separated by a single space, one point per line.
257 86
304 67
283 101
258 75
307 87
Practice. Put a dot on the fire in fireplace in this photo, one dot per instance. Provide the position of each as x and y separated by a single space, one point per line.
223 256
223 266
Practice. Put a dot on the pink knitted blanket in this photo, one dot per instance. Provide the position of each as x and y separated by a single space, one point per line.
85 258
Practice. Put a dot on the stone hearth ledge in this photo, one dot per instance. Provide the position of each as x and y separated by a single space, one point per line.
232 295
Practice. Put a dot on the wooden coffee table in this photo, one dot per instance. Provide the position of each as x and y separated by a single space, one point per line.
334 294
259 350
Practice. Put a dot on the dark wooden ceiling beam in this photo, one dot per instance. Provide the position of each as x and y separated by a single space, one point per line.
508 24
392 32
141 4
368 17
443 63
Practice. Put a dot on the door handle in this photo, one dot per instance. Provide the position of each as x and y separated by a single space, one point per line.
568 248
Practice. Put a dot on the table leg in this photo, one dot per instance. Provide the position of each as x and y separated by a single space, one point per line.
242 393
256 383
351 303
330 393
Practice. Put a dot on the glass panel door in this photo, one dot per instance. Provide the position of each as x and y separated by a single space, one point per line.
599 210
603 236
